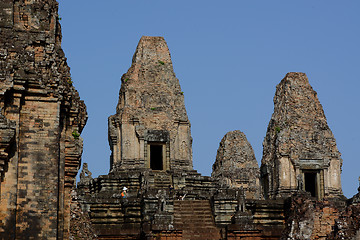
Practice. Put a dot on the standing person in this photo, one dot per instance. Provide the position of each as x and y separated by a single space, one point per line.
124 192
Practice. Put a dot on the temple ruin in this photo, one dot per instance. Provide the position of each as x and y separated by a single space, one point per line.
300 151
150 128
295 194
41 119
150 140
236 166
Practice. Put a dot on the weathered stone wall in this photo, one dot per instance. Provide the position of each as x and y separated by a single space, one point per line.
298 140
80 227
347 226
150 110
327 219
309 219
236 165
42 109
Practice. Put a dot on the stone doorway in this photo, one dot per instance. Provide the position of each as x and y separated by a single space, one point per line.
265 182
311 182
157 156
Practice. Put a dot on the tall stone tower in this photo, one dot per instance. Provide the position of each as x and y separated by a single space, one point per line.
150 129
300 151
41 118
236 165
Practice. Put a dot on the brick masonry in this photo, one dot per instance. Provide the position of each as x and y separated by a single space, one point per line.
41 118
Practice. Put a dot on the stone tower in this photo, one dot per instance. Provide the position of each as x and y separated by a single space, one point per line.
150 129
236 166
41 118
300 151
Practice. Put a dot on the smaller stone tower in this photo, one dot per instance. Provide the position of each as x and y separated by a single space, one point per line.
150 129
300 151
236 166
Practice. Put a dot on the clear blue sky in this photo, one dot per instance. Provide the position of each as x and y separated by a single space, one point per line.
229 56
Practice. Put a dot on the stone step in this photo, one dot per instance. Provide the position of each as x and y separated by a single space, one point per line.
161 181
195 219
201 235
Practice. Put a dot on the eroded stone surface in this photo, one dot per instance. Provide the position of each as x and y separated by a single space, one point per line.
236 165
80 227
327 219
150 111
7 133
299 143
42 109
347 226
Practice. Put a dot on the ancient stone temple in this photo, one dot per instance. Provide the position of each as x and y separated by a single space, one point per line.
300 151
151 190
152 159
151 154
150 128
236 166
41 118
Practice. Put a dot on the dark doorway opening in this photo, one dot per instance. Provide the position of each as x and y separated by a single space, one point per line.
266 186
156 157
311 183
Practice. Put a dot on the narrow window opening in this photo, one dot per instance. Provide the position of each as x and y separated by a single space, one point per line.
311 183
156 157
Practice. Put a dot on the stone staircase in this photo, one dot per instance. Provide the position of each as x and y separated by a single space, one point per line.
162 180
195 219
268 213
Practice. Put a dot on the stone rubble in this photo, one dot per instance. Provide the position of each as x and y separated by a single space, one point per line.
80 227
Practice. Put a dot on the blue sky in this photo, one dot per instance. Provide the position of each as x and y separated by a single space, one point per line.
229 56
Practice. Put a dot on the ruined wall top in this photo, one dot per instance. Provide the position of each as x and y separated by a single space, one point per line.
298 126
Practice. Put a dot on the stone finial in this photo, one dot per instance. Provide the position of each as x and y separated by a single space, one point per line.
152 49
235 164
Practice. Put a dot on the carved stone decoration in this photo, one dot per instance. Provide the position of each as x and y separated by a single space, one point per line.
236 165
299 142
85 174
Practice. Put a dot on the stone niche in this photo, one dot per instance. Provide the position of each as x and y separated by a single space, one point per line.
150 129
300 151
